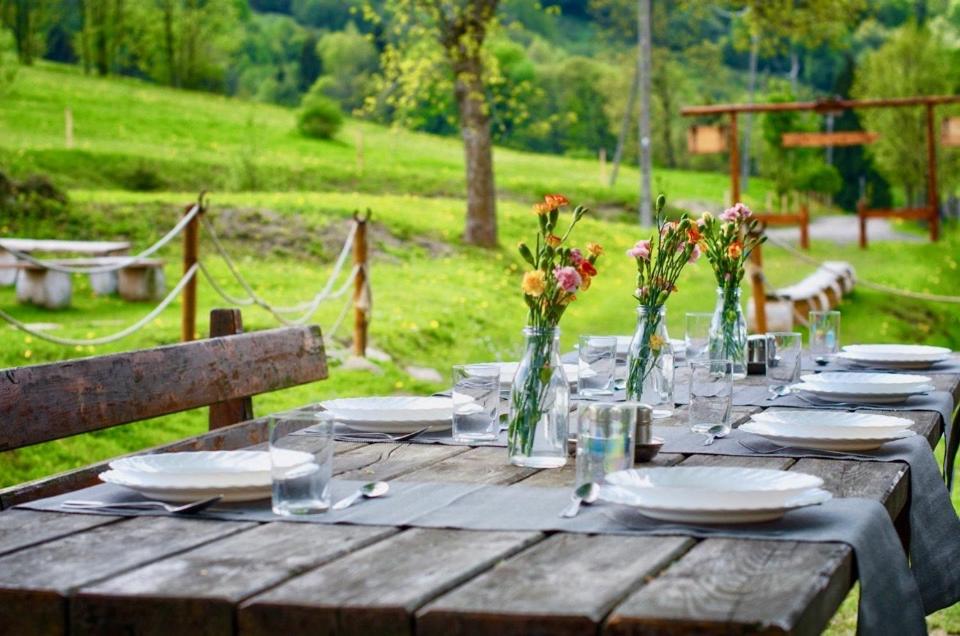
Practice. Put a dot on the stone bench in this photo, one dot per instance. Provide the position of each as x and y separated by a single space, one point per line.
141 280
8 275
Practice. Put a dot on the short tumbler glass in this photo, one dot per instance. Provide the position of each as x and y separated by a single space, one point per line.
784 349
697 335
824 334
711 396
605 440
476 399
301 461
597 363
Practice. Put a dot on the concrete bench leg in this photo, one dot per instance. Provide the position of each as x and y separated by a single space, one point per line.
104 283
45 288
8 276
142 283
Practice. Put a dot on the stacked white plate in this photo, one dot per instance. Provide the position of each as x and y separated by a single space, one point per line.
828 430
509 369
190 476
894 356
884 388
705 494
393 414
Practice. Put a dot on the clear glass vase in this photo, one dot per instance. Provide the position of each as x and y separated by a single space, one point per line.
728 331
650 363
539 403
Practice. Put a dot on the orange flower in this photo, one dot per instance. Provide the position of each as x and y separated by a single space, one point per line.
566 299
555 201
541 208
584 282
586 268
595 249
735 250
553 240
693 234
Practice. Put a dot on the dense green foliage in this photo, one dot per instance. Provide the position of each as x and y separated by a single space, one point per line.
319 117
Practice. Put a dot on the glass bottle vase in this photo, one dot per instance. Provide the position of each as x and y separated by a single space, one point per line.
728 331
539 403
650 363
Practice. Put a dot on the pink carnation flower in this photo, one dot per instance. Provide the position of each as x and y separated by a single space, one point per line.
640 250
568 278
738 211
576 257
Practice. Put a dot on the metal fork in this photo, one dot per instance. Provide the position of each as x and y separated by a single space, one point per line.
842 405
185 509
374 436
837 454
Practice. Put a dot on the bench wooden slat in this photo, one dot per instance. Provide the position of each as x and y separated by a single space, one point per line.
51 401
377 589
196 592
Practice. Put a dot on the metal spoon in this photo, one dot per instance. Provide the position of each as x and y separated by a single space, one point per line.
585 493
370 491
779 391
821 361
712 433
186 509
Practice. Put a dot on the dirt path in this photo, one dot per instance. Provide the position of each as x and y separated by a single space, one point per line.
843 230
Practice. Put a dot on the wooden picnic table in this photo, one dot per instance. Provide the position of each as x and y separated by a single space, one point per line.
87 574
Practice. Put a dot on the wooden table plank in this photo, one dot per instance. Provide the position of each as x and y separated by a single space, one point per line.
482 465
736 586
35 581
565 477
22 528
377 589
388 461
196 592
565 585
886 482
771 463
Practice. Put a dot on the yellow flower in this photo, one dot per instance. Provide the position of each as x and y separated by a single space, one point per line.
656 342
706 216
595 249
553 240
534 283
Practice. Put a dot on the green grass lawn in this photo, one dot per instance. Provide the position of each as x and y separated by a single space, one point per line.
282 204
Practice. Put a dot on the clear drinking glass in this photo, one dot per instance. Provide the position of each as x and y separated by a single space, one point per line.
605 439
476 399
824 334
711 396
597 364
697 335
783 361
301 461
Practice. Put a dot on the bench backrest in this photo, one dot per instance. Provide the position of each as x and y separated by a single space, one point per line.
50 401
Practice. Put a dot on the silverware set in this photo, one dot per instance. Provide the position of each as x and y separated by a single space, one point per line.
362 436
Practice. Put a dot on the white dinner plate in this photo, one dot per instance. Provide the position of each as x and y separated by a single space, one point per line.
832 394
245 466
838 440
854 382
894 352
746 513
713 487
820 422
509 369
393 414
186 494
878 363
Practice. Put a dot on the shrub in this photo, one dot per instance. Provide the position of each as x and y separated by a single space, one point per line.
143 178
320 117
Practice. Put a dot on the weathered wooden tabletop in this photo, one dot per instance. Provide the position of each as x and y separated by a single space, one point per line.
86 574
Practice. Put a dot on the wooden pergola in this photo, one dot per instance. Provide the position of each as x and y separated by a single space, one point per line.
929 212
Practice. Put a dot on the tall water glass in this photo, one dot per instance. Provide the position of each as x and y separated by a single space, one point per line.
824 334
605 439
784 349
597 362
476 400
711 396
301 461
697 335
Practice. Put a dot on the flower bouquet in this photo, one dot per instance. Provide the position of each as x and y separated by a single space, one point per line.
729 240
660 259
540 393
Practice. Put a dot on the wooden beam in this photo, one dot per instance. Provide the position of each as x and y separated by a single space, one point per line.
228 322
733 144
933 198
820 106
822 139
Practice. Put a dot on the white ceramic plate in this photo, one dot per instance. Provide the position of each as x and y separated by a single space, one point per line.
850 440
186 494
241 464
894 352
390 408
509 369
832 394
710 487
854 382
827 423
904 365
686 514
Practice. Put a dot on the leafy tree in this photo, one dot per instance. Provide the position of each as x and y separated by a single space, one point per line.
328 14
310 66
348 59
912 62
27 20
429 37
8 61
319 117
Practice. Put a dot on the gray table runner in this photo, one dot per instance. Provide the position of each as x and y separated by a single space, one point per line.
951 366
889 599
934 526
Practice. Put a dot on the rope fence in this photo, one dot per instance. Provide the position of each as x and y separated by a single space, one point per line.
295 315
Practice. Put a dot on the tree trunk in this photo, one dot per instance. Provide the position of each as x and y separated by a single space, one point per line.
622 137
23 31
481 227
645 208
168 42
101 38
748 118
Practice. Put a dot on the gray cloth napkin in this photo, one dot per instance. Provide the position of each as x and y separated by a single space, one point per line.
889 599
951 366
934 526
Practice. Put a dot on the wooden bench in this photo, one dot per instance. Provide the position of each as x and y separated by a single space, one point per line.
140 280
54 246
928 213
52 401
801 218
820 291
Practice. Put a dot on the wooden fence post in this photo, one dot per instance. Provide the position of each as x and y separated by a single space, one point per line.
191 254
228 322
360 303
933 198
68 127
